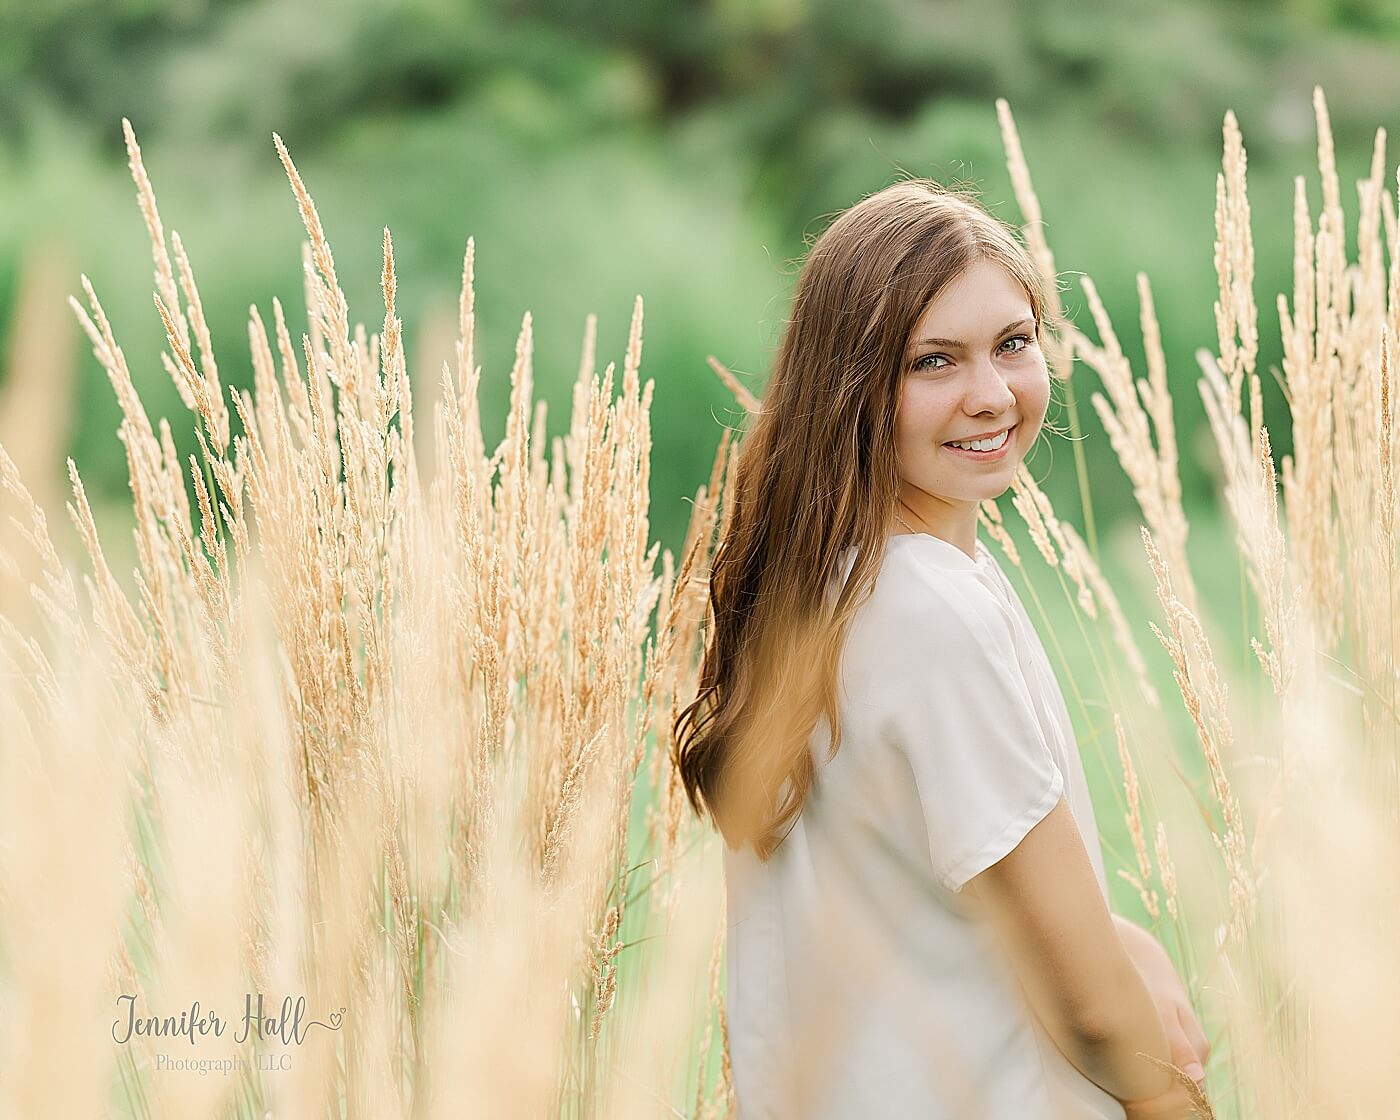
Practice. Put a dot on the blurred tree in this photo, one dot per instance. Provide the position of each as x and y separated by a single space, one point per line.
686 150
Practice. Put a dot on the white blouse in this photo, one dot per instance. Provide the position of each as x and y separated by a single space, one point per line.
861 985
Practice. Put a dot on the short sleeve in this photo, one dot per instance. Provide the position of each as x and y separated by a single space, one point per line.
955 703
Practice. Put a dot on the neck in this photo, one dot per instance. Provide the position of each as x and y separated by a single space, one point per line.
956 526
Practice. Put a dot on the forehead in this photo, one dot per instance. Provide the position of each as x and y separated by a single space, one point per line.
982 299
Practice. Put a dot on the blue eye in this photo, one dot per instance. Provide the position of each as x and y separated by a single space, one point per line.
1024 338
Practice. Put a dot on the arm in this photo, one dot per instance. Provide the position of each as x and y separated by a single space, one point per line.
946 663
1044 903
1187 1040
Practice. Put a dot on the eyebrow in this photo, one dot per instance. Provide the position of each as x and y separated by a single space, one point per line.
956 345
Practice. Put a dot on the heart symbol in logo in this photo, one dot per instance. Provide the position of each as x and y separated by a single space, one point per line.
336 1017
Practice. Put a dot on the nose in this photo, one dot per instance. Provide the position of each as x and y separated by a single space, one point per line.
987 391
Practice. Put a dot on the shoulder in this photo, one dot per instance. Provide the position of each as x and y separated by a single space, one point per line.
927 625
921 599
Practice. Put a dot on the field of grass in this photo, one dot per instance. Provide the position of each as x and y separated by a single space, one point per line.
353 707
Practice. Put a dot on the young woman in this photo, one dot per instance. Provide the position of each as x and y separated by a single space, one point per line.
918 916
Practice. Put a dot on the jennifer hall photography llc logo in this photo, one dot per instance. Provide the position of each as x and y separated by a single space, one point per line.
290 1026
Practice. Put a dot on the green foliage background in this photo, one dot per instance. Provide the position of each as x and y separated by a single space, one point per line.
684 151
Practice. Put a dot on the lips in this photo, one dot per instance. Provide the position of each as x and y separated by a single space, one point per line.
988 435
989 458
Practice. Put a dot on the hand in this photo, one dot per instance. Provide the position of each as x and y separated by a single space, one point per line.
1187 1040
1174 1104
1185 1100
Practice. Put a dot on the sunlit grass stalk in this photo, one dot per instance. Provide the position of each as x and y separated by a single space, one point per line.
410 704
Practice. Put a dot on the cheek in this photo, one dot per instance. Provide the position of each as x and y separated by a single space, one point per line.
907 428
1034 395
922 413
920 425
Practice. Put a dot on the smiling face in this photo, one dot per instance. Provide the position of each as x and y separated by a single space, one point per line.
984 373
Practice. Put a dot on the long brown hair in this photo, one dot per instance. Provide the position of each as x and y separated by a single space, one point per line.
816 475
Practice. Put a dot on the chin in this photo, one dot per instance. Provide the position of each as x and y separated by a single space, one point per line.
993 489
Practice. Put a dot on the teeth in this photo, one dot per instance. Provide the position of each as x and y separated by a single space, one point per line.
984 444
